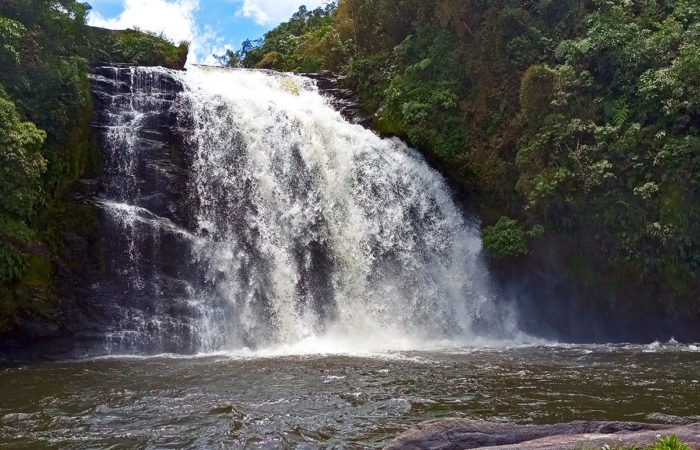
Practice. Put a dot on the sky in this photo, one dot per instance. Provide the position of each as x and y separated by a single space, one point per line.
211 26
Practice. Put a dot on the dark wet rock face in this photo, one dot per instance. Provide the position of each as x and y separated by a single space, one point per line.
454 434
134 112
145 213
344 100
137 249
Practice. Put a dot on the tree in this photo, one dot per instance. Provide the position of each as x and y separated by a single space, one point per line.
11 33
21 168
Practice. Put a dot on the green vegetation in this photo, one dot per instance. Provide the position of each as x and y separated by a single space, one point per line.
21 168
662 443
45 137
306 43
567 118
571 117
137 47
505 238
669 443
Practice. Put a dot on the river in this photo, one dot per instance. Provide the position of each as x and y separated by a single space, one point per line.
361 400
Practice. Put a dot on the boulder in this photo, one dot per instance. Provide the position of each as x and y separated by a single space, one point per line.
453 434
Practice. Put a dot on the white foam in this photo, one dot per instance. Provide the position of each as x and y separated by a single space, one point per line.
314 235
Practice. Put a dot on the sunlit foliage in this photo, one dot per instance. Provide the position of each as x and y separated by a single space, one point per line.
579 118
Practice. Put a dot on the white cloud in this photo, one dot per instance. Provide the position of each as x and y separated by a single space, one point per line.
175 19
273 12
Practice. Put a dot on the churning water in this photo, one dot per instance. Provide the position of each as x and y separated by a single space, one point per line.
304 233
336 402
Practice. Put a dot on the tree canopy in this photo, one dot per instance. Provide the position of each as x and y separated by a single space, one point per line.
571 117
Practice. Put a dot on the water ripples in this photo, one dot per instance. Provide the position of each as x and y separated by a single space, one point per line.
341 401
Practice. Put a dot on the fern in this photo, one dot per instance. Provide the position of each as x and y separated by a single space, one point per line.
13 263
620 114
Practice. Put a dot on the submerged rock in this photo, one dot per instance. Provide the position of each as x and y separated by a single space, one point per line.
447 434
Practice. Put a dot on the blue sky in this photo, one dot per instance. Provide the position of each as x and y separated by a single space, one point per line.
212 26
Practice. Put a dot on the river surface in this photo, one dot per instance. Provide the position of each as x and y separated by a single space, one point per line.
337 401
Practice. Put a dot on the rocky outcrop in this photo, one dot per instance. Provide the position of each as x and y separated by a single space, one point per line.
140 295
344 100
453 434
128 227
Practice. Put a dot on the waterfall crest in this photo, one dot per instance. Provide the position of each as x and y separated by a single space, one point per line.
281 226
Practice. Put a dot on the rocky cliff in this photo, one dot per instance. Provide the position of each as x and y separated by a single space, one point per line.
89 281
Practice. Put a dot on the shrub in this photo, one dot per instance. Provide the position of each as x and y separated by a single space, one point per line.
11 33
21 168
669 443
505 238
140 47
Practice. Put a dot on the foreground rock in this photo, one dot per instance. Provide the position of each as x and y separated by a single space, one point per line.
447 434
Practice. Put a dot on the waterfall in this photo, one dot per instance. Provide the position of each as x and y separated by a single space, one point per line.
245 213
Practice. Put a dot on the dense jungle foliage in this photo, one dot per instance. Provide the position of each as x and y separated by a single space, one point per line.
571 121
574 123
45 143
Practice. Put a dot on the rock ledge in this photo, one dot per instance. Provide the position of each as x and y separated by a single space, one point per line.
449 434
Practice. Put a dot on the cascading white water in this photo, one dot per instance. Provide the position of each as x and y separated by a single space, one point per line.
309 233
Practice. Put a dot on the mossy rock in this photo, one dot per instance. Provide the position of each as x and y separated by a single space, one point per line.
38 273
